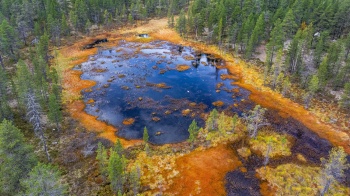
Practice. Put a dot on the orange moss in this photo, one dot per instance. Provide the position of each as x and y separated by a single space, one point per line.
251 81
182 67
266 190
218 103
186 112
128 121
76 109
90 101
228 76
203 172
289 108
69 57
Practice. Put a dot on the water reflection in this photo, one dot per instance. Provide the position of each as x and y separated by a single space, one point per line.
140 81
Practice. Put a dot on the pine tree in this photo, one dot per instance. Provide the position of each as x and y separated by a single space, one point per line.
23 81
286 86
64 25
323 73
211 122
118 147
320 48
275 43
145 135
347 47
332 169
289 24
345 99
102 159
334 54
17 158
5 110
277 69
116 171
9 41
135 180
255 119
181 24
44 180
234 122
193 130
80 14
294 56
314 84
257 35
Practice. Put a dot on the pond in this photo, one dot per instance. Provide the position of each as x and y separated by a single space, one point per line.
164 86
158 85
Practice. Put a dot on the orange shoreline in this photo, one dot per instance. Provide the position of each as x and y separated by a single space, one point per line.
187 165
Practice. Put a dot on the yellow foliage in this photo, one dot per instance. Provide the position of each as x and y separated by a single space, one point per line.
291 179
279 143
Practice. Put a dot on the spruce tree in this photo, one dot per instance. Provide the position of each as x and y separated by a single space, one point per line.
23 81
5 110
44 180
9 41
345 98
275 43
116 171
257 35
102 159
294 56
289 24
332 169
193 130
17 158
181 24
323 73
145 135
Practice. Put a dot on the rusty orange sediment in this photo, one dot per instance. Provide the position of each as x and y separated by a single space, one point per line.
204 169
266 98
203 172
73 85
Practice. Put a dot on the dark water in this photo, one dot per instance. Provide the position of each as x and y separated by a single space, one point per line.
126 79
127 76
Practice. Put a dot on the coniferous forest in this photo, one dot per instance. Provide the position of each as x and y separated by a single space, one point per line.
288 133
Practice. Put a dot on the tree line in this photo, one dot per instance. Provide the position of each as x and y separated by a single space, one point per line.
307 41
30 87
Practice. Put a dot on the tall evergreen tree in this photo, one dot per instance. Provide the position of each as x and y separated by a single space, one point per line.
345 98
323 73
275 43
8 41
5 110
289 24
44 180
181 24
17 159
116 171
193 130
256 36
145 135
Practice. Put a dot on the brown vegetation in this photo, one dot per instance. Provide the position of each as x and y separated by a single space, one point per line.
182 67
